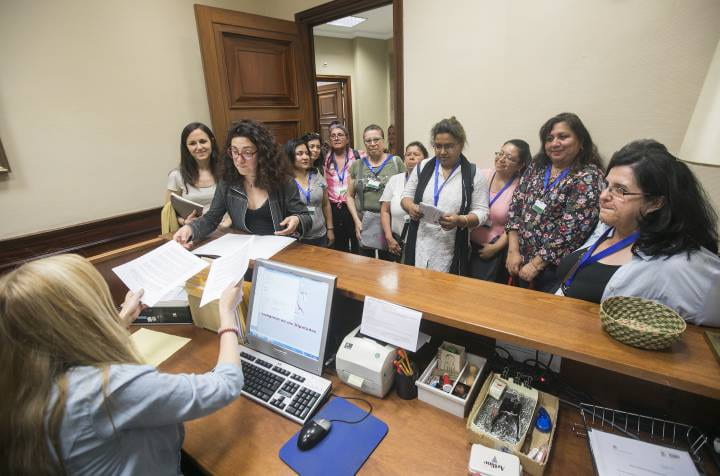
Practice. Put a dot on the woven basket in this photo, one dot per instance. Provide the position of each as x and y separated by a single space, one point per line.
640 322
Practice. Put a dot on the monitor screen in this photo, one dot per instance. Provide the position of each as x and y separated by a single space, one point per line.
290 313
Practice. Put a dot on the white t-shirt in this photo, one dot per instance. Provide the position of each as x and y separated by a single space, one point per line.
201 195
393 194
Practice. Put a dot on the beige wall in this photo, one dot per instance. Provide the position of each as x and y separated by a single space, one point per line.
365 60
93 95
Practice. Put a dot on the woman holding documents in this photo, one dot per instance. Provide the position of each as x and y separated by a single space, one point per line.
257 190
313 190
555 207
445 199
77 398
657 238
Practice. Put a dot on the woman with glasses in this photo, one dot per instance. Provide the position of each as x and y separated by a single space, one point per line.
336 166
489 241
313 191
257 190
313 141
368 177
555 206
657 238
394 220
452 190
199 171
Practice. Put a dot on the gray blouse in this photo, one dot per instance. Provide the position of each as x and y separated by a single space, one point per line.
134 424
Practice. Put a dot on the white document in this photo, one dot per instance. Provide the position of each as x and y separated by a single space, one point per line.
430 213
262 246
159 271
396 325
269 245
620 456
225 271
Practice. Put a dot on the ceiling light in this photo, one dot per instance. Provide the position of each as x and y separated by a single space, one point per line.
347 22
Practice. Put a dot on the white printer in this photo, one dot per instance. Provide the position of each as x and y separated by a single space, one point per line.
366 364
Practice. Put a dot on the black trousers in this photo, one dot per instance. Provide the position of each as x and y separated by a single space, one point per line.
345 239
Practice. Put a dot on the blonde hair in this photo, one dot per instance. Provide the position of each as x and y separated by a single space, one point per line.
55 313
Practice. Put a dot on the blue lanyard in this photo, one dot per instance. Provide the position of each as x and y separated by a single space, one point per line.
378 169
589 259
436 195
304 192
505 187
562 175
341 175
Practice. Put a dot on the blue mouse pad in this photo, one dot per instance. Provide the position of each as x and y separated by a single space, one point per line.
346 446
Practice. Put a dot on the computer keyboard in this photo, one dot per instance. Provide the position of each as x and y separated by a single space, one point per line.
283 388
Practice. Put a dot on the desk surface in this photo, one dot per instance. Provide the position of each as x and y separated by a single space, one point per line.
245 438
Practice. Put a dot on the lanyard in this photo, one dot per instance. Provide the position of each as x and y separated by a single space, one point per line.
305 193
562 175
436 194
589 259
505 187
378 169
341 175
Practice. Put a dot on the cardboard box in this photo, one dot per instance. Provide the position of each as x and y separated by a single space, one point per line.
534 438
447 401
208 316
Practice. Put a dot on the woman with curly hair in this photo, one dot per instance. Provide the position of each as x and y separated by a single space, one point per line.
257 190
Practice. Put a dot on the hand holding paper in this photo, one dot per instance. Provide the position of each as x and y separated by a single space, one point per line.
430 213
226 271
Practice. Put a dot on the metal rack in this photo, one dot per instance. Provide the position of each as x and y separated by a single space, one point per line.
644 428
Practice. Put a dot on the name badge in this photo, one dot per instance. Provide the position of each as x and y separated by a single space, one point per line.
342 190
539 206
373 184
311 209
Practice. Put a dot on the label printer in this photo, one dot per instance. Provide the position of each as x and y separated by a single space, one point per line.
365 363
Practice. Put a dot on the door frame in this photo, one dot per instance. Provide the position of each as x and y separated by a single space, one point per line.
307 19
337 78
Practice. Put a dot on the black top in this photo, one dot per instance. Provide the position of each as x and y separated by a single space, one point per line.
259 221
589 283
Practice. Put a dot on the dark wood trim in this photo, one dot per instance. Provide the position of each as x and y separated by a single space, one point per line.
307 19
4 164
86 238
348 90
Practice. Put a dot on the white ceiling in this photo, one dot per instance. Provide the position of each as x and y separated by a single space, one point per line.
379 25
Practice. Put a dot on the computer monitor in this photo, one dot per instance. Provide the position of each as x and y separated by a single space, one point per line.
290 313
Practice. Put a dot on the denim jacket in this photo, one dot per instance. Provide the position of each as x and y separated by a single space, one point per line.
233 200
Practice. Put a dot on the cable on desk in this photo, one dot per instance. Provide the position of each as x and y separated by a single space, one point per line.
354 398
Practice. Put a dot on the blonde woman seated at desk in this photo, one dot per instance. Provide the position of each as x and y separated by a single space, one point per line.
657 239
77 399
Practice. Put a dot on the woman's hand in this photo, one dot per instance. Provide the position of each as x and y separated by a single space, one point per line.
448 222
183 236
229 301
513 262
414 212
488 250
191 218
528 272
393 245
289 225
131 307
358 229
330 237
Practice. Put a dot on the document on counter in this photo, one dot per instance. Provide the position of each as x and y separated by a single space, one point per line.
430 213
156 347
226 271
396 325
262 246
160 271
618 455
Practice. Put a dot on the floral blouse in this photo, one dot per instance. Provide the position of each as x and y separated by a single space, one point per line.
572 207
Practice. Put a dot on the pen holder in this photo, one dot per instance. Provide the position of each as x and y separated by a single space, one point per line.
405 384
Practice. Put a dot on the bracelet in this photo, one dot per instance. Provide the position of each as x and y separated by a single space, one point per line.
467 222
220 332
330 228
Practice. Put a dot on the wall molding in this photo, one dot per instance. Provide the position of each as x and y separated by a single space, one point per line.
88 238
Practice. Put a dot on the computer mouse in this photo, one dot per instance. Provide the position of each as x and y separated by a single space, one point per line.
312 433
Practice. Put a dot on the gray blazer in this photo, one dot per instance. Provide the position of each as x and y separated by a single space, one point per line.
233 200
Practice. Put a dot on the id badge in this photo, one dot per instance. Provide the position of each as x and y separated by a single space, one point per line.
342 190
373 184
311 209
539 206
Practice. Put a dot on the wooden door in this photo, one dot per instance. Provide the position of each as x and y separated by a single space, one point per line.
255 68
330 100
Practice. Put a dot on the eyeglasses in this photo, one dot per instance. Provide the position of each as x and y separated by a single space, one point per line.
618 192
339 135
247 154
442 147
499 155
372 140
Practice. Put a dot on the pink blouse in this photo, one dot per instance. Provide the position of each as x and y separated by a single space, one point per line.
337 189
498 212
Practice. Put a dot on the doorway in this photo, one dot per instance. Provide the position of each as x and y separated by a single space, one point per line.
334 104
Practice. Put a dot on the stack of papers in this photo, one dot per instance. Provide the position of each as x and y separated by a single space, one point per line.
393 324
262 246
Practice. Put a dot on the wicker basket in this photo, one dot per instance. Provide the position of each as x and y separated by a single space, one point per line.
640 322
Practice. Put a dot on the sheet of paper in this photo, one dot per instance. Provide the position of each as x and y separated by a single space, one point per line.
156 347
268 246
619 455
225 271
176 294
396 325
430 213
160 271
225 245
